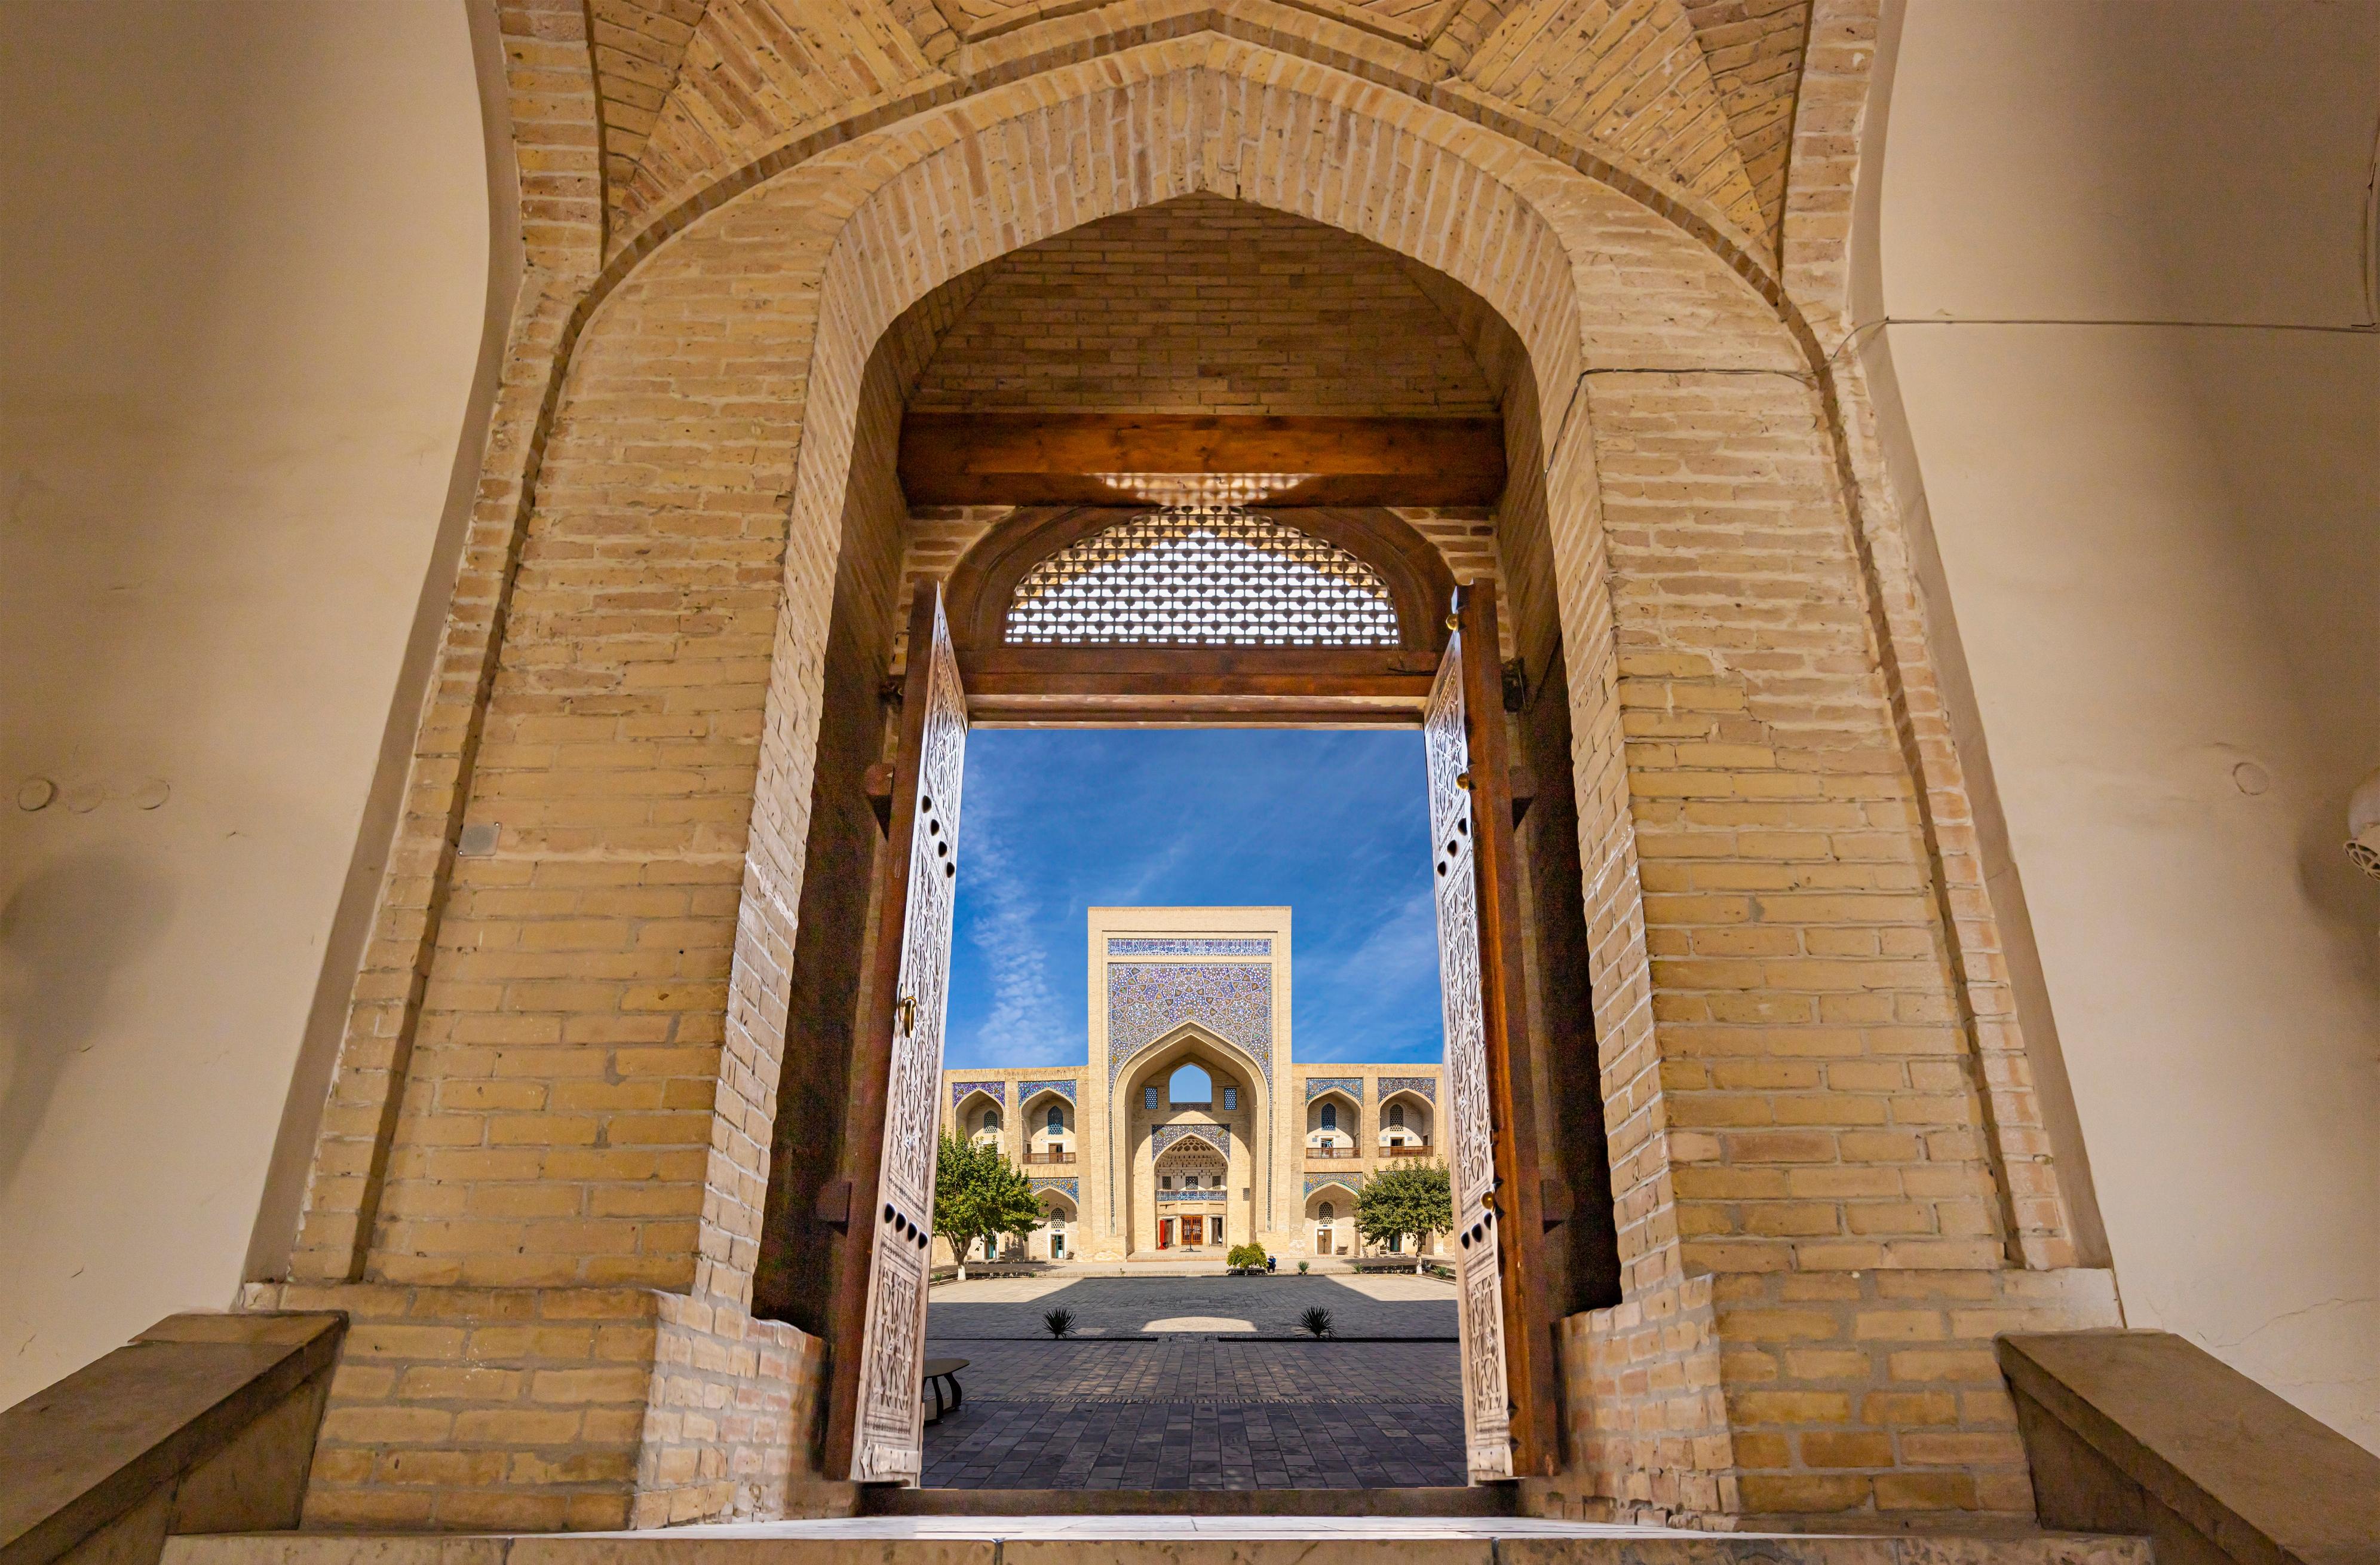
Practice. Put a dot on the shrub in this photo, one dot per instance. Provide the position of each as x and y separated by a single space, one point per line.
1061 1323
1301 1265
1246 1255
1316 1321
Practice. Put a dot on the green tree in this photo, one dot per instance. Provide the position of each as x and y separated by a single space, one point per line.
979 1194
1408 1199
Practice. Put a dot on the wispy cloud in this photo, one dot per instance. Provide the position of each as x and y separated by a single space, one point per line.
1332 824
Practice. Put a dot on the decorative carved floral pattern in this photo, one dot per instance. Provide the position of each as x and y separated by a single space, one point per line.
1425 1085
888 1444
1124 945
1352 1085
1202 575
1146 1000
1487 1417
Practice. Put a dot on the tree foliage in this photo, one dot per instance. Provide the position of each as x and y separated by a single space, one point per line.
979 1194
1412 1198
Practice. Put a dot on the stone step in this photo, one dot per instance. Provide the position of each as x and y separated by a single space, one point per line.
1472 1500
1154 1540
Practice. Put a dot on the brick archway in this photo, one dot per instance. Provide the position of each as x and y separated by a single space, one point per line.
635 821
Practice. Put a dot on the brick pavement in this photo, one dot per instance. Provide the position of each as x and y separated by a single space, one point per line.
1200 1414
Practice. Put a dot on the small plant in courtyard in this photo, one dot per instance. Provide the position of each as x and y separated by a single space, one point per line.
1061 1323
1246 1256
1315 1321
1301 1267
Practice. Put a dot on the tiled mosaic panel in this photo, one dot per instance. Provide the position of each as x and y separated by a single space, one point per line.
1135 946
1064 1087
1352 1085
1345 1181
1425 1085
1146 1000
959 1091
1217 1136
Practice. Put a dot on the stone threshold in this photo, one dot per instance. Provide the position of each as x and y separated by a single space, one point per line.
1477 1500
1172 1540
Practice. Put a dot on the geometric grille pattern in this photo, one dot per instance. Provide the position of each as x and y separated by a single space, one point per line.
1202 576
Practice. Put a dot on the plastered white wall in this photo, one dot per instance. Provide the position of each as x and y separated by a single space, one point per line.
2132 389
247 276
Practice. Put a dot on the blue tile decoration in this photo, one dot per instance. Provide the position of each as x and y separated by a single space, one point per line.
959 1091
1425 1085
1146 1000
1064 1087
1070 1188
1119 946
1191 1194
1347 1181
1218 1136
1352 1085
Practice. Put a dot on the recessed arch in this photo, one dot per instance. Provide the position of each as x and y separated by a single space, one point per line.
967 1104
1196 684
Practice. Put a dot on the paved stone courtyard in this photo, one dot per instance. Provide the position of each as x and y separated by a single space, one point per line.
1372 1304
1112 1408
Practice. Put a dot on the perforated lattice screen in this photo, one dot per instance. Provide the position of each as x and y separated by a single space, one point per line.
1202 576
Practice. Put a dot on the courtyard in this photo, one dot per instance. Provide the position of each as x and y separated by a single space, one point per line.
1198 1382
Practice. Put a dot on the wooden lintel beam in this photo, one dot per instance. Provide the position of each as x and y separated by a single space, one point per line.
1074 458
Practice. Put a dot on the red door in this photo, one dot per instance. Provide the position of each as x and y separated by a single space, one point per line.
1165 1233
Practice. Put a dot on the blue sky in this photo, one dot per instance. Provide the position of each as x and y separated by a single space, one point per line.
1331 823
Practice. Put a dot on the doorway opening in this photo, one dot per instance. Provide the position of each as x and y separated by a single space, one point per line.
1202 942
1292 569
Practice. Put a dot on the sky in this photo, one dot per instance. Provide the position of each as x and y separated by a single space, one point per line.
1334 824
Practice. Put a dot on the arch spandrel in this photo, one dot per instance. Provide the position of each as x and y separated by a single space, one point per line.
811 267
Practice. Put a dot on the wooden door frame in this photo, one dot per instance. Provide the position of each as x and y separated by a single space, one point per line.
1529 1345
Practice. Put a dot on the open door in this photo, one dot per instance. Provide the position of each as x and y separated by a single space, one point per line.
1508 1406
875 1419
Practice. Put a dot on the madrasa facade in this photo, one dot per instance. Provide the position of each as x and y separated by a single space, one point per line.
1191 1127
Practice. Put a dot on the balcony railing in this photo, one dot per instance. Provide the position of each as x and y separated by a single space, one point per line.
1048 1157
1330 1152
1410 1149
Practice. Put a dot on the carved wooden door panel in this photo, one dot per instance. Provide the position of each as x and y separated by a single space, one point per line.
1507 1395
1478 1289
888 1421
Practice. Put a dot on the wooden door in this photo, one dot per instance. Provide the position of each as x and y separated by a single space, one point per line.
1508 1400
875 1428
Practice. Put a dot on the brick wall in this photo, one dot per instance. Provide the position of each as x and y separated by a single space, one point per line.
1202 305
1799 1095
